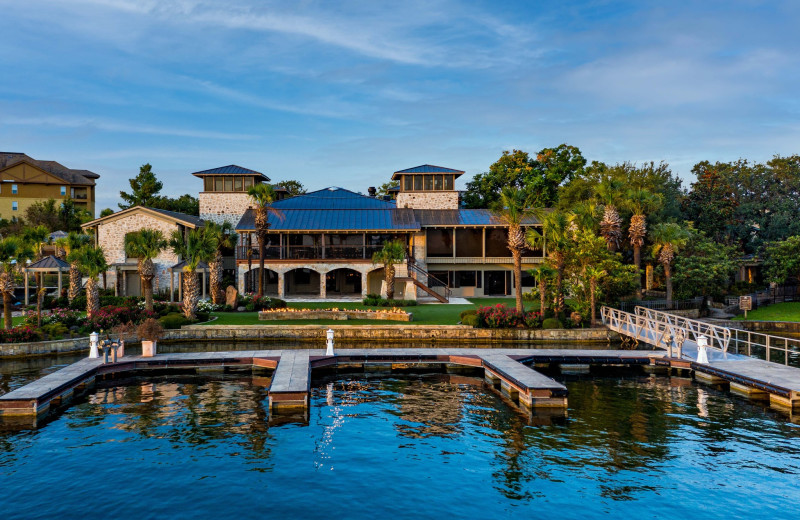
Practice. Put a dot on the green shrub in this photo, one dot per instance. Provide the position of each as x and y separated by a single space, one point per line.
471 320
470 312
276 303
376 301
202 316
250 307
552 323
55 331
173 320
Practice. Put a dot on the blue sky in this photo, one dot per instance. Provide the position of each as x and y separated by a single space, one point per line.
345 93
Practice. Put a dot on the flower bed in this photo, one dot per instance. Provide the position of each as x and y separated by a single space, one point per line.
334 314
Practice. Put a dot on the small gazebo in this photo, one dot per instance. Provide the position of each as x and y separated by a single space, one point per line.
202 267
48 264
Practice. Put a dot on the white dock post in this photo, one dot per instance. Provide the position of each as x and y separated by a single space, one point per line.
329 352
702 353
93 339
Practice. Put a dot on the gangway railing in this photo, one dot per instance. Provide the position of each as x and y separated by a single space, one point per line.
777 349
662 329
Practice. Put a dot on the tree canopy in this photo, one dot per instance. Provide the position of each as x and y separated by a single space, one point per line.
144 189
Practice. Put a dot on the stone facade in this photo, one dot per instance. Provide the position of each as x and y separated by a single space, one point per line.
224 206
111 238
426 200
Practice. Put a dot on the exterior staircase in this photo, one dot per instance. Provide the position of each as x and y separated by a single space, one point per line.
415 271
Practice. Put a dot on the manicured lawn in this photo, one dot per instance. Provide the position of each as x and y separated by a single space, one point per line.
17 320
789 311
428 314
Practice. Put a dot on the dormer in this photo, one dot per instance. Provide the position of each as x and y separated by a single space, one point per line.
230 179
427 187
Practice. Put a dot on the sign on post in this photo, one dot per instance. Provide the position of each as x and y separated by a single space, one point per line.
746 304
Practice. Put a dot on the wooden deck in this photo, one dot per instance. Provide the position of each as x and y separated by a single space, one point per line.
290 383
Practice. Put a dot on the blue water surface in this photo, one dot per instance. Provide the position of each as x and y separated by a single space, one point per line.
412 446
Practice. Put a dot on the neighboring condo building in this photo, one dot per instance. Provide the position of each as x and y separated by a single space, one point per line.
25 181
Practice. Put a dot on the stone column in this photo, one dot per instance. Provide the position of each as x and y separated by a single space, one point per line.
240 278
323 288
281 284
364 285
410 292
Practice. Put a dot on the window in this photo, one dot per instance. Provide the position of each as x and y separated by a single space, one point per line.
208 183
497 243
439 242
417 182
448 182
469 242
237 183
228 184
438 182
63 190
14 188
428 185
14 206
408 183
248 181
217 183
439 279
466 279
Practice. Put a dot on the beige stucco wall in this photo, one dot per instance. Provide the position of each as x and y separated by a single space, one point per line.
223 206
428 199
111 238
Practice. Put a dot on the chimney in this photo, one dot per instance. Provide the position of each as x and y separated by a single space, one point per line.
371 190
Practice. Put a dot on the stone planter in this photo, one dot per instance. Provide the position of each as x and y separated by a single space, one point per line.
149 348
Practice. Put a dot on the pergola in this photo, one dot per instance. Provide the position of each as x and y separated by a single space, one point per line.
48 264
202 267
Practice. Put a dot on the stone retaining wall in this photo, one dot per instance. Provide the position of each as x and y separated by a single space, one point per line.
316 333
323 314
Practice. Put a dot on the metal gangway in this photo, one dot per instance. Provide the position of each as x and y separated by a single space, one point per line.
678 334
673 333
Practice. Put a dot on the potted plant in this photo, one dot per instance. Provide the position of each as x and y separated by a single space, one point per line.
149 332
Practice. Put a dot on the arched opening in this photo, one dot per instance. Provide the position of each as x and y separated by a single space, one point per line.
374 279
301 281
343 282
270 281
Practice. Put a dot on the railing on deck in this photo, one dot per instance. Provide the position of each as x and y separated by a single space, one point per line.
765 346
310 252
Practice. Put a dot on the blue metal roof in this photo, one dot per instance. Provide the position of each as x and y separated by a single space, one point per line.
462 217
231 169
429 168
333 198
335 220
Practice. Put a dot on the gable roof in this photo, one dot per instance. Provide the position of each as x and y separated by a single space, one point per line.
9 159
231 169
332 198
178 218
426 168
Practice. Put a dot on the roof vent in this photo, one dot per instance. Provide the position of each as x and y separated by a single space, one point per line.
372 191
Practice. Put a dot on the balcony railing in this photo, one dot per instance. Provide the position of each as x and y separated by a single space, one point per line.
310 252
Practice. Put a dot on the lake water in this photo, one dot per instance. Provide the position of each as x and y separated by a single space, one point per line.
416 446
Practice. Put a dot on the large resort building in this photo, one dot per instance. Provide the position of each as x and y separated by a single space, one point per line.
320 244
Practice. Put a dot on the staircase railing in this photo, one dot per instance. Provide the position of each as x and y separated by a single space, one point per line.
417 270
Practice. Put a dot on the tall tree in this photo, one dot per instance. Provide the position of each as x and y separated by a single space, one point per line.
704 268
392 252
512 209
607 193
384 188
198 246
144 189
542 273
263 196
13 254
92 262
555 240
782 260
71 217
226 238
44 213
37 237
640 202
292 187
74 242
145 245
668 239
186 204
712 201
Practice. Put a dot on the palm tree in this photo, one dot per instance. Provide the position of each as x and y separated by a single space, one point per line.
92 262
512 209
13 254
668 239
145 245
608 194
594 274
543 273
263 196
393 252
198 246
73 242
640 202
226 238
37 237
555 239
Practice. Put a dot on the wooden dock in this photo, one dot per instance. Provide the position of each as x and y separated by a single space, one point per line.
290 384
